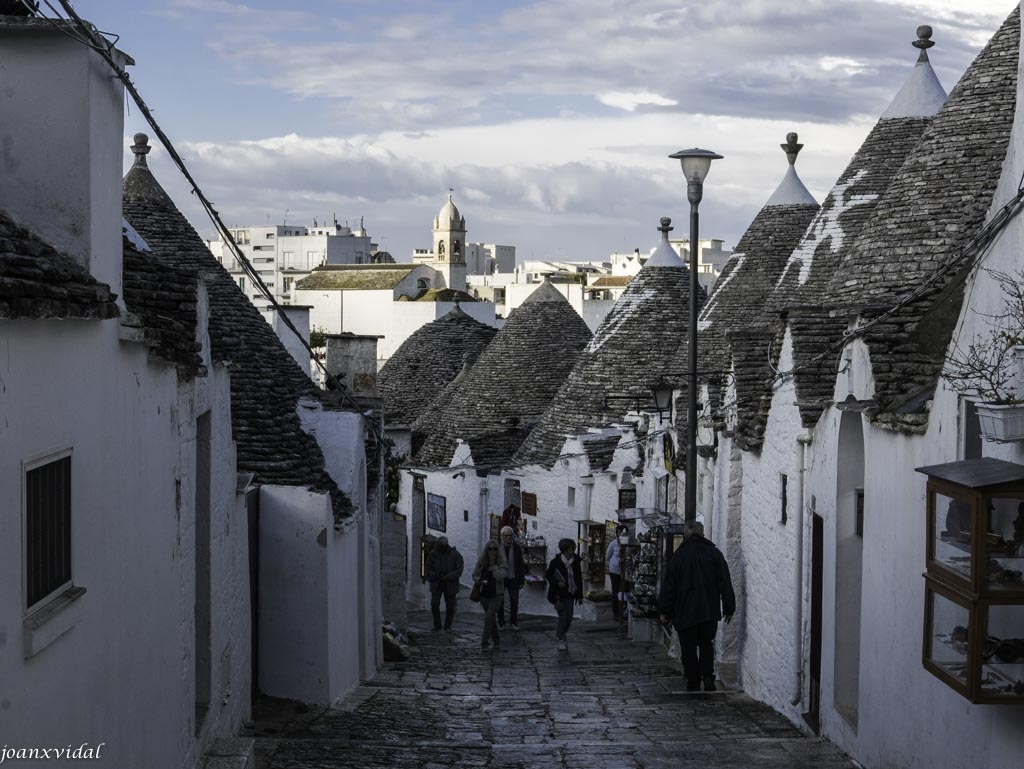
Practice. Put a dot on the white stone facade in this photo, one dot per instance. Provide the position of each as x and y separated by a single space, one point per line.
151 457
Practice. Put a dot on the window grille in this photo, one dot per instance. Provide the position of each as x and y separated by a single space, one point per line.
48 528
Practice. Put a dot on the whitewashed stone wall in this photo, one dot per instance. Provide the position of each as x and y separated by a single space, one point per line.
120 658
131 433
768 548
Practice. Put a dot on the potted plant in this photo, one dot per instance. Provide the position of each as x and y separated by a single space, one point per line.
991 367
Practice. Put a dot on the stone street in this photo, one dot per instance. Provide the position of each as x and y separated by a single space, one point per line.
606 703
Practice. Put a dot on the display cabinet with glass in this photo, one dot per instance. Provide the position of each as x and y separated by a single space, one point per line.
974 604
535 559
590 548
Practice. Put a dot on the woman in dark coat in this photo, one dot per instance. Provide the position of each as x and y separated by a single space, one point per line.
490 571
565 587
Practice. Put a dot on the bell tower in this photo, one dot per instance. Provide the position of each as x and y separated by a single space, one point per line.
450 246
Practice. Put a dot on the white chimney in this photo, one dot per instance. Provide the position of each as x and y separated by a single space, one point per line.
61 159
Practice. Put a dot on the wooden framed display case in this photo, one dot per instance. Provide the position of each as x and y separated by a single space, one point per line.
974 590
591 546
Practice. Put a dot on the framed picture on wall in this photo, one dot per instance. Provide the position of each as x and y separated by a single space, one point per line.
437 513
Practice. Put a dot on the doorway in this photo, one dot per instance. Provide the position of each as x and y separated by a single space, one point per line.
849 527
813 715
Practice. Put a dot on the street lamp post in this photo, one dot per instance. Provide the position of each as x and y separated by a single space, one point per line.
696 163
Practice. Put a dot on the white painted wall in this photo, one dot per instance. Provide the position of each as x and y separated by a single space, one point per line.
87 671
299 316
296 543
62 176
377 313
133 455
354 566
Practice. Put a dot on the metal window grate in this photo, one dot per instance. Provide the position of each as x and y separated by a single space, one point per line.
48 527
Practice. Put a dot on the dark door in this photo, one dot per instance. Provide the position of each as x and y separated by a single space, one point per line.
252 507
812 716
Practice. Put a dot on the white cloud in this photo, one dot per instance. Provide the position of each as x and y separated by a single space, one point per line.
377 109
630 101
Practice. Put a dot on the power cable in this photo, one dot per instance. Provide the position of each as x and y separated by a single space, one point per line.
90 37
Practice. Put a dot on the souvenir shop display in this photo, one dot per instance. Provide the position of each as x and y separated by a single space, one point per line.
974 589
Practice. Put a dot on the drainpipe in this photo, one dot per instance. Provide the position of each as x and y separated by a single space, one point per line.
485 522
798 580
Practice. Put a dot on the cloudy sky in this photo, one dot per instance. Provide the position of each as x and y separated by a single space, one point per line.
551 120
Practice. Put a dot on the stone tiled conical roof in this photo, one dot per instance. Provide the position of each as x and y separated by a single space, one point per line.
511 384
427 361
635 346
932 209
162 303
801 291
266 383
37 281
736 304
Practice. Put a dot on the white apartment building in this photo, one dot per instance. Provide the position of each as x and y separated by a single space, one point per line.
284 254
710 261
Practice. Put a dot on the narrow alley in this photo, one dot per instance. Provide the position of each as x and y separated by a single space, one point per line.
607 703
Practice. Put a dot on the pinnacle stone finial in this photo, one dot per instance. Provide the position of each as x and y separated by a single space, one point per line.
791 148
924 41
665 227
141 148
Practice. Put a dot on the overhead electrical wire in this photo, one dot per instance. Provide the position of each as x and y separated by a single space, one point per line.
89 36
92 38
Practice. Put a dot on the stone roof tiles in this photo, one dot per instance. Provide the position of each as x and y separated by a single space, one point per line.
600 450
732 326
355 277
612 281
39 282
162 303
801 291
266 383
511 384
635 346
429 360
445 295
934 206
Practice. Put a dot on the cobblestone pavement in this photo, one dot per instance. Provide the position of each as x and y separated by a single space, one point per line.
606 703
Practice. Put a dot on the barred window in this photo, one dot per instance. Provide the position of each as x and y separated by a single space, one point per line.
48 528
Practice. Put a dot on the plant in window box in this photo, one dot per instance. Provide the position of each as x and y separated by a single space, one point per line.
992 366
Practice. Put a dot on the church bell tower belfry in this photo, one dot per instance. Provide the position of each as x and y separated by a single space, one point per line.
450 246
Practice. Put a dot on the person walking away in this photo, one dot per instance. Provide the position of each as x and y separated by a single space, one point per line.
613 559
565 587
490 571
512 553
695 594
443 568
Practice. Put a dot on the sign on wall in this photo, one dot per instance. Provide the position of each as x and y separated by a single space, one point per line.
437 512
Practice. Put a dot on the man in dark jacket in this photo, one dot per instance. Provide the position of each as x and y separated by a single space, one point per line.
515 577
443 569
695 594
